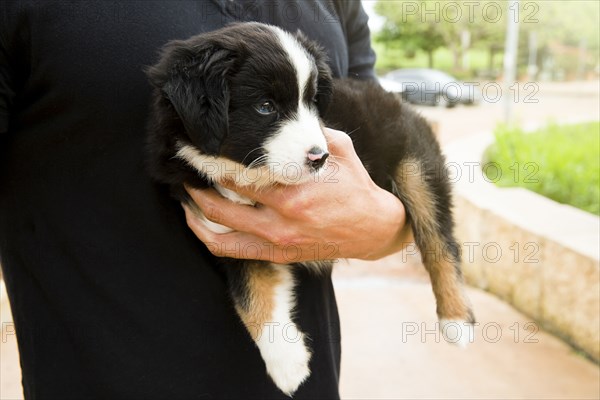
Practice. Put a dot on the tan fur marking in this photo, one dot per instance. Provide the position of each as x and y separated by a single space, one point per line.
262 280
451 302
420 199
441 266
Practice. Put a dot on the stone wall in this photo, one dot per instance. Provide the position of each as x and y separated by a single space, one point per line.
538 255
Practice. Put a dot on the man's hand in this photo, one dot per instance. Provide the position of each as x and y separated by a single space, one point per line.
341 215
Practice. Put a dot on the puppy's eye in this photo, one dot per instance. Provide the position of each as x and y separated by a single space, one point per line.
265 108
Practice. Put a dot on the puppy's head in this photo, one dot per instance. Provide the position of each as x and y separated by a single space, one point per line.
248 97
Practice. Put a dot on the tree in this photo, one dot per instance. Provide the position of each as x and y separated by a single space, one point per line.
566 31
404 27
430 24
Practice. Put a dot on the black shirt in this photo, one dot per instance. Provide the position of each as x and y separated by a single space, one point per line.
112 295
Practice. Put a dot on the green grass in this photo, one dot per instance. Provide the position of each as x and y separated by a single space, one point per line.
561 162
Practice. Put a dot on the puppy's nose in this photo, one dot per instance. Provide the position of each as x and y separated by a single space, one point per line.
316 157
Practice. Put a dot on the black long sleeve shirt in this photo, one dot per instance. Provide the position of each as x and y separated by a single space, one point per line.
111 293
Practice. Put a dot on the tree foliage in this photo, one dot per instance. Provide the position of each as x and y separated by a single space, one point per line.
430 24
407 30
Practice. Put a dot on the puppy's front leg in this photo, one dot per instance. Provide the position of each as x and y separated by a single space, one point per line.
264 299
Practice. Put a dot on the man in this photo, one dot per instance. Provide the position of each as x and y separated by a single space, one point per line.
112 295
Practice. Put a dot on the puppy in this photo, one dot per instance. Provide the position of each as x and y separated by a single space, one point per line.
248 101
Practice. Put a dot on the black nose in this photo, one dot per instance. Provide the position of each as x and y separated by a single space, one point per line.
316 157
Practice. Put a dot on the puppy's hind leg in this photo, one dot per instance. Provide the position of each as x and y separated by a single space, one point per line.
431 218
264 299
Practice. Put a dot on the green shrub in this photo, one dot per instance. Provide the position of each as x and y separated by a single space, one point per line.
561 162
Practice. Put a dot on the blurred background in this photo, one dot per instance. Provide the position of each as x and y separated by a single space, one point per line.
512 90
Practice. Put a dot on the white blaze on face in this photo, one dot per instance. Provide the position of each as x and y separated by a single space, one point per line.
297 56
288 149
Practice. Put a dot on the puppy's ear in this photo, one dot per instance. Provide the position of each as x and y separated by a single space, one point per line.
193 78
325 80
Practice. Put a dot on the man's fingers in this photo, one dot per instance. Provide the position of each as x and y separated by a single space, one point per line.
236 244
239 217
215 207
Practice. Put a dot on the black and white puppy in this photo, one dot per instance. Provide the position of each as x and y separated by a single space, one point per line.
248 101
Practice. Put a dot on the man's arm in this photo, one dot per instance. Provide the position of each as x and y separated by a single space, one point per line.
354 21
343 216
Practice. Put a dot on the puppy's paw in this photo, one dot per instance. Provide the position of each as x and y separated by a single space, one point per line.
457 331
287 362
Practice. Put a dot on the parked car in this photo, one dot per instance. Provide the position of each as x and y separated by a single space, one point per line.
433 87
390 85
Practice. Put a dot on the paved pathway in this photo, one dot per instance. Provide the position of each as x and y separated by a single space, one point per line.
391 349
10 371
